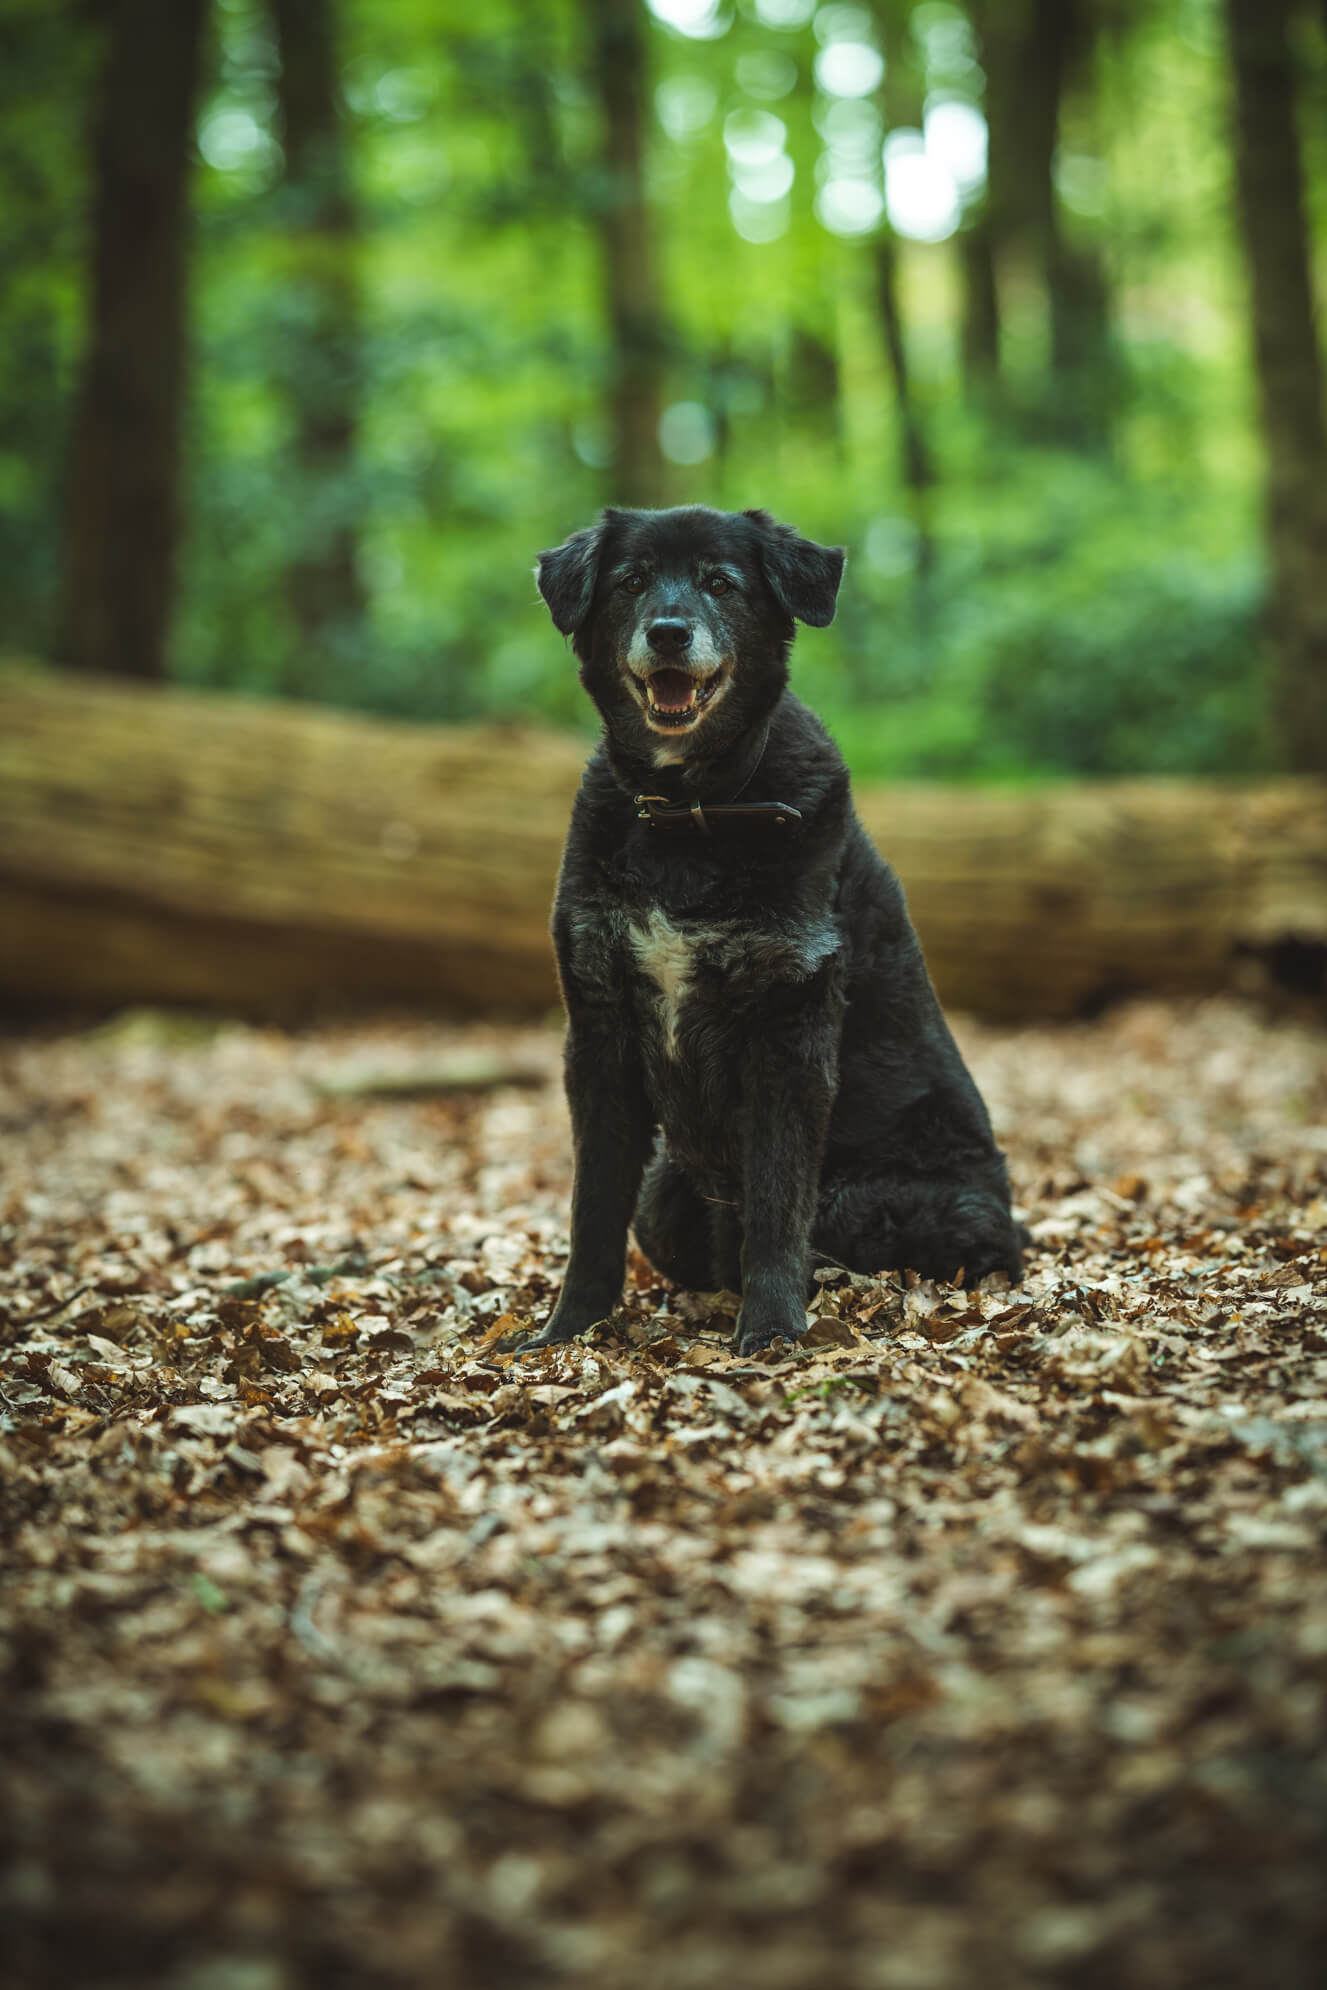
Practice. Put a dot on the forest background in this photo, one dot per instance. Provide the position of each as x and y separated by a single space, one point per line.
319 318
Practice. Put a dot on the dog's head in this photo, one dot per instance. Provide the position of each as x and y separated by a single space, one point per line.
682 619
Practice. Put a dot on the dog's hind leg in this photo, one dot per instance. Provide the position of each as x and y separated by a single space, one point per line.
678 1229
934 1228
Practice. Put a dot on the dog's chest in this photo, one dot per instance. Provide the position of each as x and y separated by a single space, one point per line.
670 957
698 974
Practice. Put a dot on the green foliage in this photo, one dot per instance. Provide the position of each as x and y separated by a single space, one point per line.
1096 634
42 83
1159 676
1041 608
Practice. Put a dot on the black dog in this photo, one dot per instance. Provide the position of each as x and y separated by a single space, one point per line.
758 1070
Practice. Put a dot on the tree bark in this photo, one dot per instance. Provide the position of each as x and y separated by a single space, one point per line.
1075 277
124 472
1020 119
618 65
981 309
43 85
811 385
915 461
1030 49
901 105
320 356
980 323
172 846
1270 186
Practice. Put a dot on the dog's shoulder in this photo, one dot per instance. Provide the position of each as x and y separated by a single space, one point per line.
869 903
610 878
602 815
800 732
803 758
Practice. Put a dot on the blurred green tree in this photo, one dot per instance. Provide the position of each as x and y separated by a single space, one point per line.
1272 208
902 107
1034 52
317 362
44 65
124 479
958 285
618 66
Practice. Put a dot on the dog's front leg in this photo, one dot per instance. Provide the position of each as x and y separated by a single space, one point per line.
789 1080
612 1130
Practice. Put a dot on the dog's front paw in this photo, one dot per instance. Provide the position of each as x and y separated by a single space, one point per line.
758 1326
559 1328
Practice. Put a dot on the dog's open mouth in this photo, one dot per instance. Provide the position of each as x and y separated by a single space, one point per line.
675 699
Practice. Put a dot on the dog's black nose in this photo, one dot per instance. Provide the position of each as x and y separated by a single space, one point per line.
668 633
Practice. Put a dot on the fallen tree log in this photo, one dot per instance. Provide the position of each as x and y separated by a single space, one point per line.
180 846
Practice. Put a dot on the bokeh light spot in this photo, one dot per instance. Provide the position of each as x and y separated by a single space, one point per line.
849 69
1082 183
890 546
850 127
944 35
766 74
770 181
593 444
231 139
785 14
684 105
404 94
753 138
843 22
758 221
686 432
920 192
956 138
849 207
699 19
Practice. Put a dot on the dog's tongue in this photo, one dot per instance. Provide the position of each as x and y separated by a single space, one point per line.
671 690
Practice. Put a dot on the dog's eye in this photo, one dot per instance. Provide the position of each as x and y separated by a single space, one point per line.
633 583
718 584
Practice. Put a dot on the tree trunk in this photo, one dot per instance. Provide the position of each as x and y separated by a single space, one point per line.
1270 183
983 239
811 385
320 356
171 846
619 73
124 472
43 87
1021 118
1075 276
1030 49
981 309
915 457
901 106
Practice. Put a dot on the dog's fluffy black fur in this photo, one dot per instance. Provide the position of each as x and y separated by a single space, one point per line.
759 1074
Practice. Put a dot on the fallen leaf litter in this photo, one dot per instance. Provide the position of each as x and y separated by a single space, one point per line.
980 1638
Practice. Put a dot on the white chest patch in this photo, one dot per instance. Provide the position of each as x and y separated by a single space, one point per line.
664 952
670 955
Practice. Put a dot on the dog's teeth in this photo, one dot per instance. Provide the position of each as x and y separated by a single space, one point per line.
673 694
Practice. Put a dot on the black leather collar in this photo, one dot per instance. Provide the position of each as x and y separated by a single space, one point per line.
663 814
660 813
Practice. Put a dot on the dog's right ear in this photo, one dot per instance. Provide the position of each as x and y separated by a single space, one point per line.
566 577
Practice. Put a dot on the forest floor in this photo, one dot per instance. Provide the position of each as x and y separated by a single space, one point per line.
979 1640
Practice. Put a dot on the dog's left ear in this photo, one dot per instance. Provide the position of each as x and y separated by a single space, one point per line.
566 577
803 577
